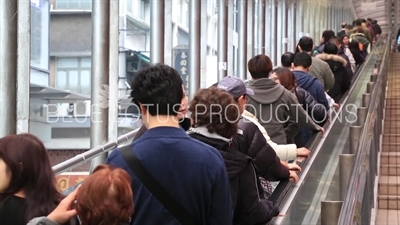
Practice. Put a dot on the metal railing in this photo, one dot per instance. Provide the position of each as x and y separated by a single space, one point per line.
284 186
359 197
92 153
318 182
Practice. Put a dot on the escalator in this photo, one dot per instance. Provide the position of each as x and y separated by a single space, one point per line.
319 181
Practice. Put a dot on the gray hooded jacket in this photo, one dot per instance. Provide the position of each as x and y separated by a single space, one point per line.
42 221
277 110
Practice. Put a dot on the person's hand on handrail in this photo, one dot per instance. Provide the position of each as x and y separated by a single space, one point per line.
294 167
293 176
304 152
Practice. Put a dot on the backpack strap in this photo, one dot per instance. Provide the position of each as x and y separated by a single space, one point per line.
162 195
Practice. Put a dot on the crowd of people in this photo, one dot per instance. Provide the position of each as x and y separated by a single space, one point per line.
212 167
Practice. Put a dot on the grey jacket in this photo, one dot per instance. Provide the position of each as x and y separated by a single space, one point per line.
277 110
42 221
322 72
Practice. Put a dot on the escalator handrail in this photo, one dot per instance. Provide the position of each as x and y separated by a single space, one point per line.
349 203
286 191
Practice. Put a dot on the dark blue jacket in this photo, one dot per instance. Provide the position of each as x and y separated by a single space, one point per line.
191 171
312 85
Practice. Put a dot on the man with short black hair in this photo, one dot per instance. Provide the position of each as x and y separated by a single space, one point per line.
287 59
319 69
301 67
190 171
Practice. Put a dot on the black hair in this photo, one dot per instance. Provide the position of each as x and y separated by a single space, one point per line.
331 48
287 59
336 40
306 44
327 35
302 59
344 25
159 89
358 22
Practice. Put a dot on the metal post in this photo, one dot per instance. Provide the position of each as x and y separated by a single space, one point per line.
374 77
370 87
361 115
354 138
157 31
8 66
114 84
23 68
242 47
222 38
194 46
330 212
252 38
346 162
366 99
274 34
100 76
168 32
261 27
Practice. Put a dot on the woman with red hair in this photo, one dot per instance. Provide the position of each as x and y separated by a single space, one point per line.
105 198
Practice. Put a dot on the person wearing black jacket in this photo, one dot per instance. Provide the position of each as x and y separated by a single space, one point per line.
337 65
217 129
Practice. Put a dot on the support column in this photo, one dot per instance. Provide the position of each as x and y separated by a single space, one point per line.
354 138
261 27
194 46
242 47
222 38
168 32
346 162
203 45
366 99
361 115
280 26
253 22
100 76
330 212
23 68
274 35
284 16
114 85
8 66
157 31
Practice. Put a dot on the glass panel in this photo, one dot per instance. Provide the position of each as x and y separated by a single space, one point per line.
86 4
129 5
85 82
86 62
62 4
36 35
74 4
73 81
62 80
67 63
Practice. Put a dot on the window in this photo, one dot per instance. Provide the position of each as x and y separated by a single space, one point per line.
40 34
136 7
74 4
73 74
